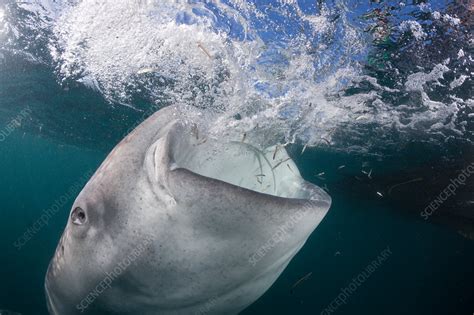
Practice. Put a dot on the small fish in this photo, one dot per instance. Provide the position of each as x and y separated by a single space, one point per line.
204 50
297 283
321 174
341 167
244 136
276 150
304 148
279 163
380 194
370 174
327 141
145 70
202 141
289 168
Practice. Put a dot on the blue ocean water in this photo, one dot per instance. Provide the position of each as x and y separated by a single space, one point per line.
380 176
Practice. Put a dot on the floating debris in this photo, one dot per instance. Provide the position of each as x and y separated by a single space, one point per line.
407 182
204 50
338 253
243 137
301 280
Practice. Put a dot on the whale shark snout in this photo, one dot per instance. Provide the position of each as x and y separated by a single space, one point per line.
175 222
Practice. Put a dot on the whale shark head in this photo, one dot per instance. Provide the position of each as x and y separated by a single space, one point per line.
175 222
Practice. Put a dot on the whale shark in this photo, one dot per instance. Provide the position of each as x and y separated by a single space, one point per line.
176 221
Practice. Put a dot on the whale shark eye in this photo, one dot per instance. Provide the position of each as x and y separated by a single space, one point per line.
78 216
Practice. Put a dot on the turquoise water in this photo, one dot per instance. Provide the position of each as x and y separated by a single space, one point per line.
378 95
35 173
429 270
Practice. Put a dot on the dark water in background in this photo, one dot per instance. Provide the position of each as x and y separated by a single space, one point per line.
430 268
428 272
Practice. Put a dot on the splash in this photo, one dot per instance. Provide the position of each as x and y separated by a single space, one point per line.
279 72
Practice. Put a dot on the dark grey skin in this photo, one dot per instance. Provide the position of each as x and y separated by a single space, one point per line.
175 210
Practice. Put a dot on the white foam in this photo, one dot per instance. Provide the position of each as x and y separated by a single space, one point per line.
458 81
414 27
217 58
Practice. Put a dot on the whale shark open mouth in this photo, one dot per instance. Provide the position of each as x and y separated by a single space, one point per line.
269 171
